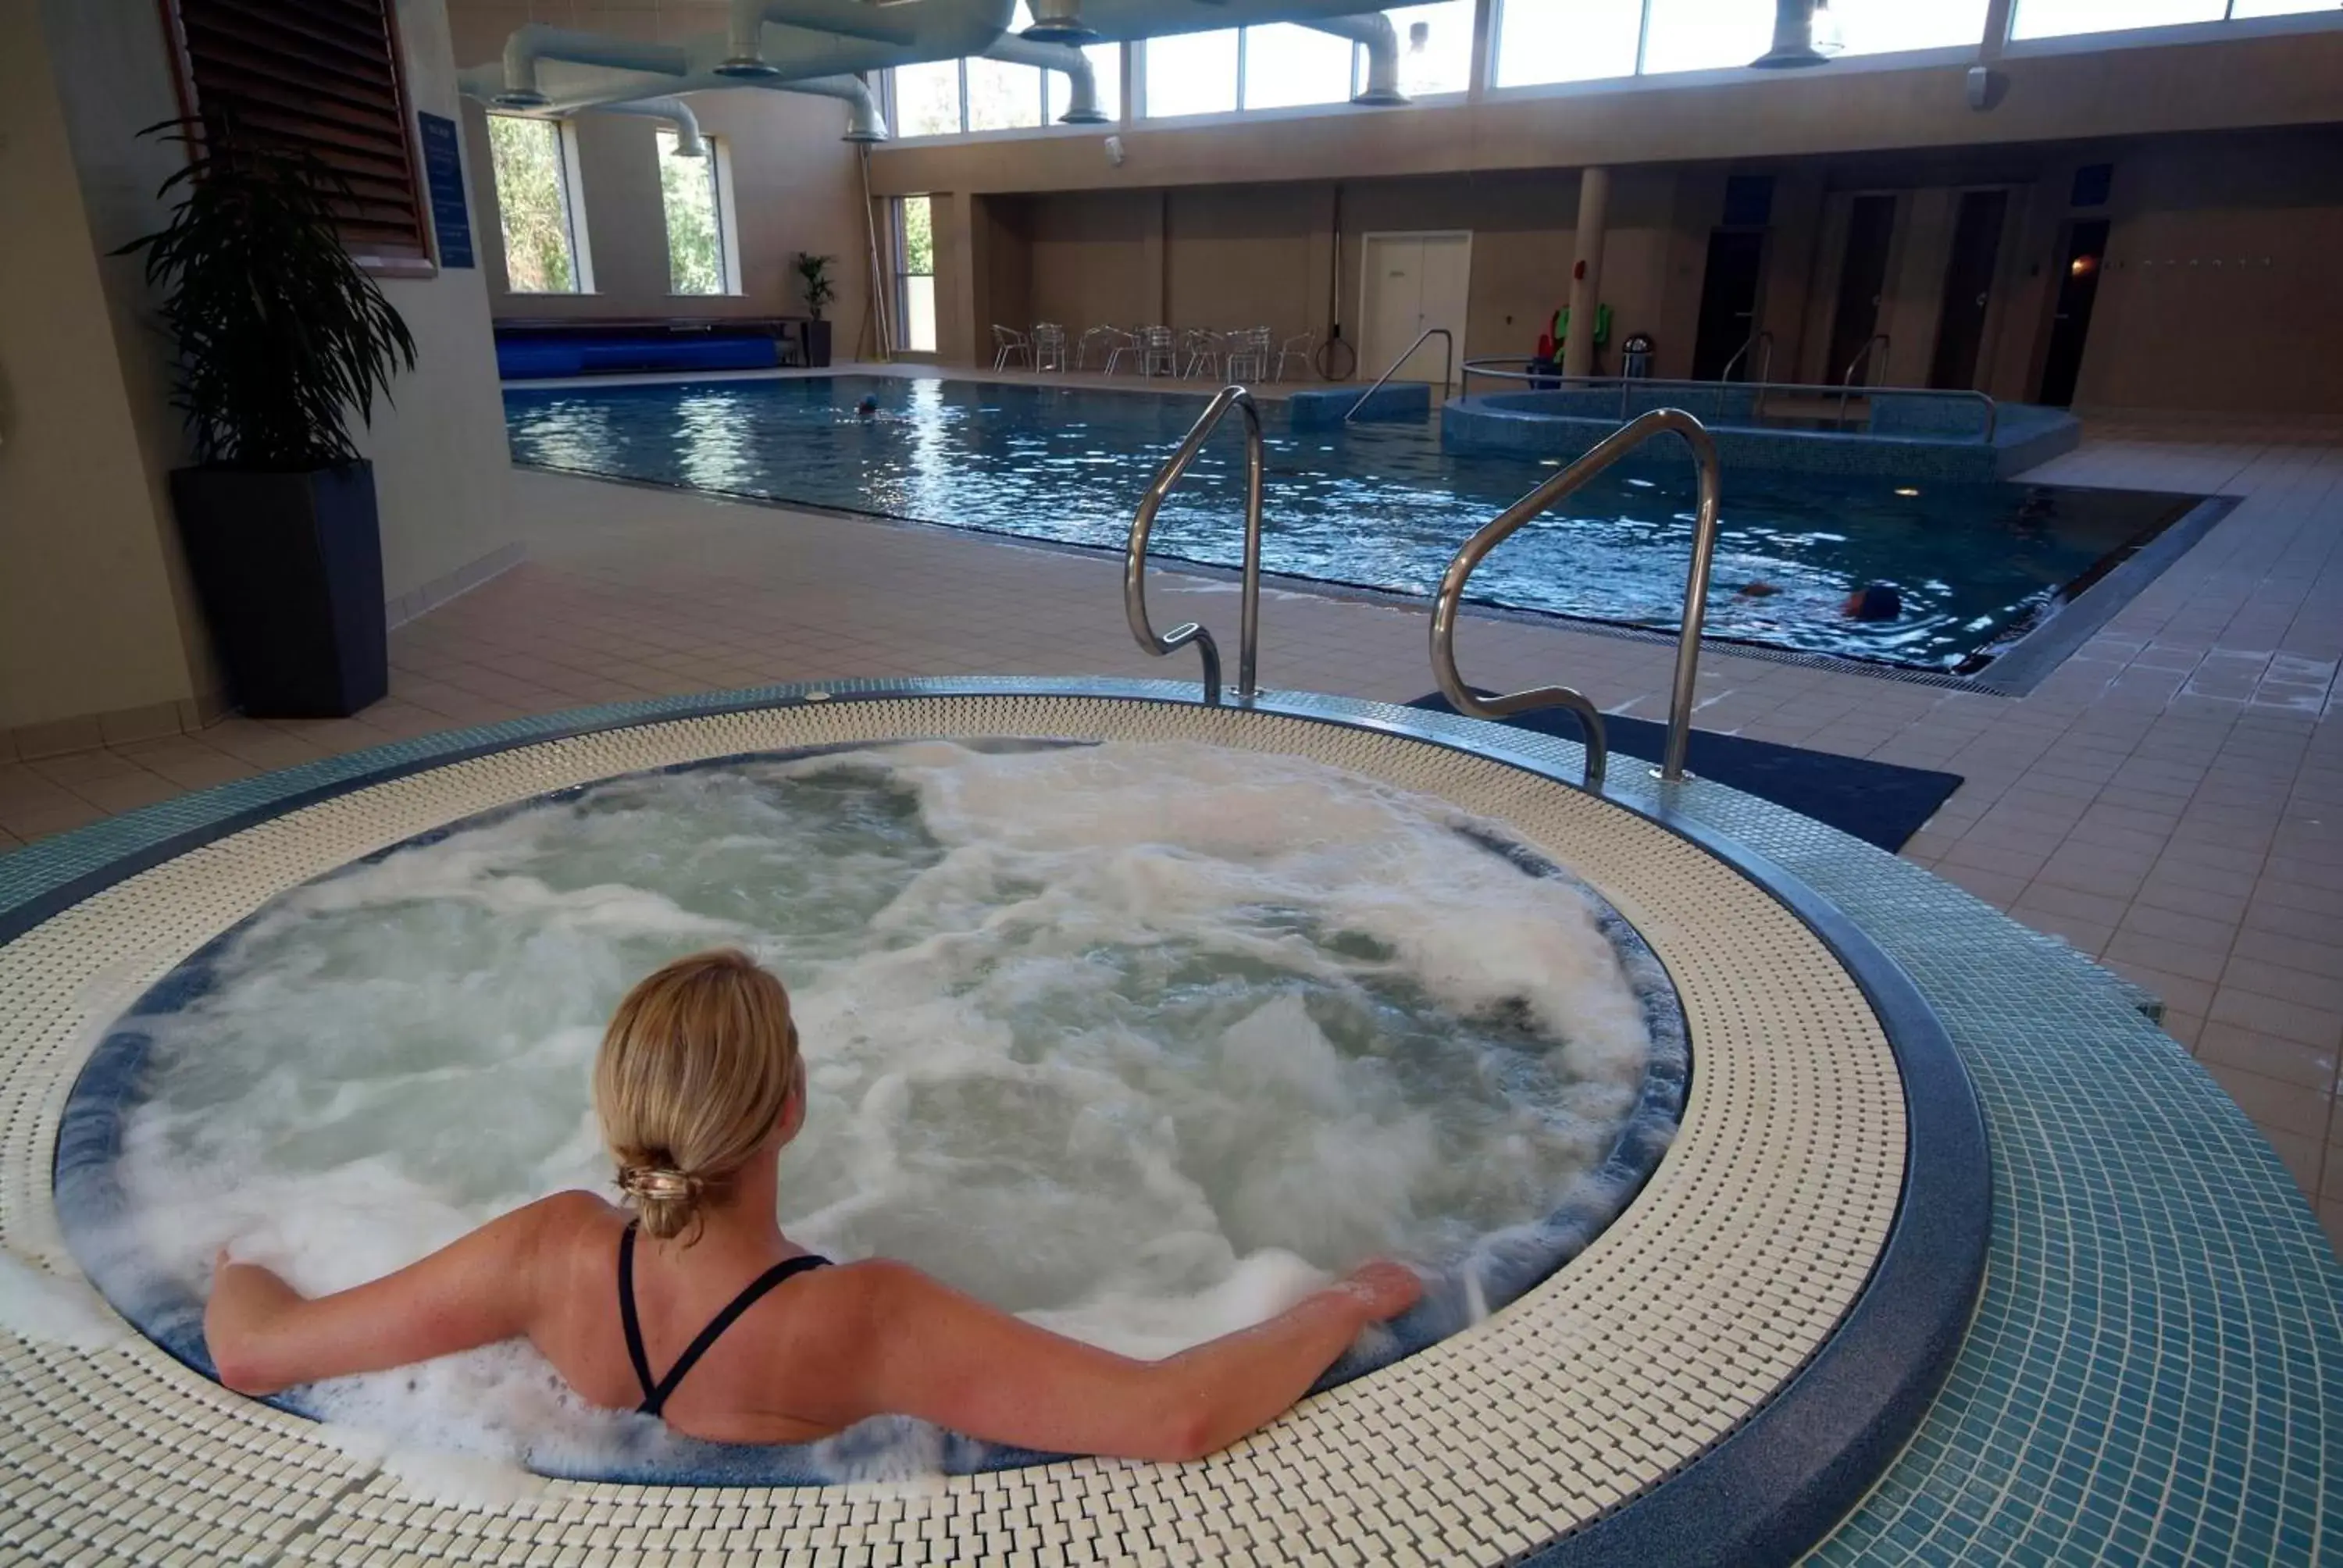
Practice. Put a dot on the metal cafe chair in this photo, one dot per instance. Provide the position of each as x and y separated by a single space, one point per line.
1010 347
1158 352
1295 347
1248 355
1100 338
1203 349
1121 342
1049 347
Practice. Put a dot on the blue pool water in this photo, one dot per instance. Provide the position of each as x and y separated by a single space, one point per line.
1373 506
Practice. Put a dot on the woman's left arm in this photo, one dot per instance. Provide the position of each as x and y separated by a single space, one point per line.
265 1335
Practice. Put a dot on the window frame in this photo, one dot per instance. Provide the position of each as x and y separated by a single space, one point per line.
417 256
900 263
719 159
573 214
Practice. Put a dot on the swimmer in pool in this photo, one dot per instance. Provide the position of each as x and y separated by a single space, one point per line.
687 1303
867 406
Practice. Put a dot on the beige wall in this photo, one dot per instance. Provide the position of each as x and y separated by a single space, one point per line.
2267 339
95 615
89 621
795 185
2242 307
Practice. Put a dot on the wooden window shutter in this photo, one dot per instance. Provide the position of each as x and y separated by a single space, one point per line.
322 75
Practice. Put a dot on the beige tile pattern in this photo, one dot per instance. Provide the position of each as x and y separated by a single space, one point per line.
2170 800
1740 1255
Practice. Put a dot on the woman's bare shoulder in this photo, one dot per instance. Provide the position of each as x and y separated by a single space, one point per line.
561 1222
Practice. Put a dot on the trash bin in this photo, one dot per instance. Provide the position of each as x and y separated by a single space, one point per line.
1635 357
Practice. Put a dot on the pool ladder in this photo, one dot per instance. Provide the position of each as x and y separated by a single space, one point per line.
1601 456
1450 597
1134 565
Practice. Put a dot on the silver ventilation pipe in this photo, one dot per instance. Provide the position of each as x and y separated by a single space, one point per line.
536 41
864 123
689 143
845 18
1083 107
1374 30
1793 36
1060 21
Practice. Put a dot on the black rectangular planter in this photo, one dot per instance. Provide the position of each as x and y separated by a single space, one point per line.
289 570
817 343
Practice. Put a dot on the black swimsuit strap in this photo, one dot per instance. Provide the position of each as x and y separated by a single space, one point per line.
656 1395
627 1312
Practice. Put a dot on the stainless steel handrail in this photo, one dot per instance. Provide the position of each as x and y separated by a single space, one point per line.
1764 360
1492 365
1846 382
1447 367
1599 456
1135 563
1875 339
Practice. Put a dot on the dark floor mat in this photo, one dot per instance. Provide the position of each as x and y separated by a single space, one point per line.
1877 802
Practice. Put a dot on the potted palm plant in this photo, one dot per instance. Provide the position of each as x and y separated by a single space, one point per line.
813 277
280 337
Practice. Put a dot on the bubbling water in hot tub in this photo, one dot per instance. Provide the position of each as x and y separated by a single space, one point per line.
1140 1041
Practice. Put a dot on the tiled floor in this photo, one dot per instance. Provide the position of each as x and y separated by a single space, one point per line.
2170 799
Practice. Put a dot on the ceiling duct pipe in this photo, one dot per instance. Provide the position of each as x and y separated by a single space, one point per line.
844 18
1083 107
864 123
1795 40
1060 21
1373 30
536 41
688 141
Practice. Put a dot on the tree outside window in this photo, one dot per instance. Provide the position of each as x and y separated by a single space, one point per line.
533 205
691 193
915 262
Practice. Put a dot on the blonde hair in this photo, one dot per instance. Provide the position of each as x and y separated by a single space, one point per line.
695 1071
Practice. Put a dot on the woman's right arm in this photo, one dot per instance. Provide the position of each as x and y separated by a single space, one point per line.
929 1352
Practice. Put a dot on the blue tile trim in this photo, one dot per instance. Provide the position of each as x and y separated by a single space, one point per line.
89 1197
2154 1368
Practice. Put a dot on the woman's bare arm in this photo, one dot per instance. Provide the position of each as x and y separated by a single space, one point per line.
263 1335
929 1352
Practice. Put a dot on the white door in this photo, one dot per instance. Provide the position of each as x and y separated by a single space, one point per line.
1413 281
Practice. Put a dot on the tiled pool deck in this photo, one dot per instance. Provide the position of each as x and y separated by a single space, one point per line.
2169 801
2154 1371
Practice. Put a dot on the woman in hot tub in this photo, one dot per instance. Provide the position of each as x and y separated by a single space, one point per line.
690 1305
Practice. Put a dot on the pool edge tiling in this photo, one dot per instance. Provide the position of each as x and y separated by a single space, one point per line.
2185 1415
1665 1334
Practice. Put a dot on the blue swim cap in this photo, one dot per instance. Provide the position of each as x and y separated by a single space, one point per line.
870 404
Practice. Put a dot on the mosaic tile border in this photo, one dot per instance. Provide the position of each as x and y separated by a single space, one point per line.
109 1089
2191 1418
1418 768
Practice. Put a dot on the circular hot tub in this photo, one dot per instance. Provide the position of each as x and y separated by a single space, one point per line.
1751 1277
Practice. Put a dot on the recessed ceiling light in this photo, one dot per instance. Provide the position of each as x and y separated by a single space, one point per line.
1905 490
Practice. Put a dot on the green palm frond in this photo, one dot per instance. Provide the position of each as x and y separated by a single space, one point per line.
280 335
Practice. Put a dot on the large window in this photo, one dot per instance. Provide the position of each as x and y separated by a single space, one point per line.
1541 41
928 99
2054 19
915 272
699 243
1439 58
945 97
1284 65
543 253
1191 74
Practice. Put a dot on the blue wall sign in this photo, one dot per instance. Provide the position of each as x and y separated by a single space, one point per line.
443 173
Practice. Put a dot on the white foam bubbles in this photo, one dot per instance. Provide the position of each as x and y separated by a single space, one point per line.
1142 1041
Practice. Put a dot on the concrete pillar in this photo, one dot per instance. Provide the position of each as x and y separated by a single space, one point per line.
1586 269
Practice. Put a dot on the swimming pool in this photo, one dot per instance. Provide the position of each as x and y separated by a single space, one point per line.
1373 506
